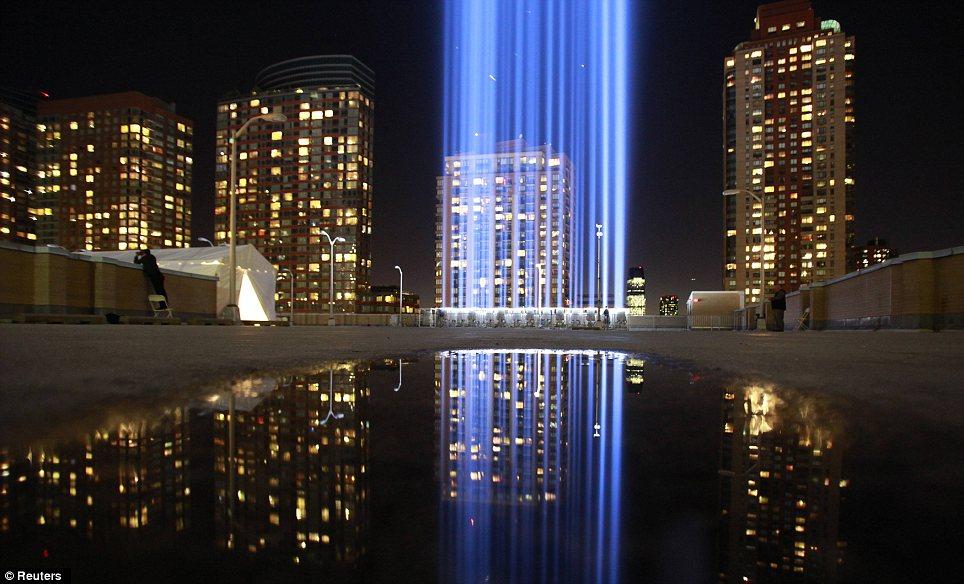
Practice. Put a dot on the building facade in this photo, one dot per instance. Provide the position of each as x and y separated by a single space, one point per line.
18 165
636 291
669 305
504 228
788 152
114 173
384 300
304 178
875 252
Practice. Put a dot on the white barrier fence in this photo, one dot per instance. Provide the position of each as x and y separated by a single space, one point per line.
568 318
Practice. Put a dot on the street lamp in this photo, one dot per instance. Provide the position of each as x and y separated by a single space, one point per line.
291 296
233 215
331 280
538 285
599 235
763 240
400 294
206 240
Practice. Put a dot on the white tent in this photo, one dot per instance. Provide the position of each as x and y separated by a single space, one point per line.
255 279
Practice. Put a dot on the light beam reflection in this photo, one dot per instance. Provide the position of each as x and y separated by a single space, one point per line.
529 492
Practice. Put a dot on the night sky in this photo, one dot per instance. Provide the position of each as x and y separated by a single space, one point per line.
909 130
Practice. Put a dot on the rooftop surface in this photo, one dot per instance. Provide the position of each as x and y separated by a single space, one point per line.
883 407
98 363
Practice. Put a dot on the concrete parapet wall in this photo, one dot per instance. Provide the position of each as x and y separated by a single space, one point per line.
54 281
655 322
915 291
345 319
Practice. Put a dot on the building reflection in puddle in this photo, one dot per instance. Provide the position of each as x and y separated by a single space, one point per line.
116 483
271 468
781 487
529 465
291 466
634 368
529 450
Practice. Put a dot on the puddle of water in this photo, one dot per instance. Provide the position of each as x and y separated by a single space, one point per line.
532 466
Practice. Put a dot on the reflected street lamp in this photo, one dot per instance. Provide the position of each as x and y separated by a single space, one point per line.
399 386
331 400
233 215
206 240
331 280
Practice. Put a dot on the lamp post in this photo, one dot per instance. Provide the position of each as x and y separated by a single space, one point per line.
763 241
206 240
599 235
401 293
331 280
291 296
233 215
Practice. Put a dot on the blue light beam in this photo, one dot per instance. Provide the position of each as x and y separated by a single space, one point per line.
553 72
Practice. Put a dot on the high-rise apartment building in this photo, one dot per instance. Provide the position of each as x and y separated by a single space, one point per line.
18 164
636 291
114 172
669 305
384 300
788 152
303 178
875 252
504 228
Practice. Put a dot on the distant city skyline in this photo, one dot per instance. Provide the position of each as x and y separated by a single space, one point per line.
210 51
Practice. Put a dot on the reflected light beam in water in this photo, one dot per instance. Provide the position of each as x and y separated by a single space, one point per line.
522 476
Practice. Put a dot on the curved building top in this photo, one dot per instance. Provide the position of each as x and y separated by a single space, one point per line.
317 71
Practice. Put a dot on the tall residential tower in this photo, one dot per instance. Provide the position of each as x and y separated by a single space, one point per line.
308 175
788 152
636 291
504 231
114 172
18 164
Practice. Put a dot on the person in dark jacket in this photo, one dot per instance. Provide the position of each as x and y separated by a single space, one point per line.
149 263
779 305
